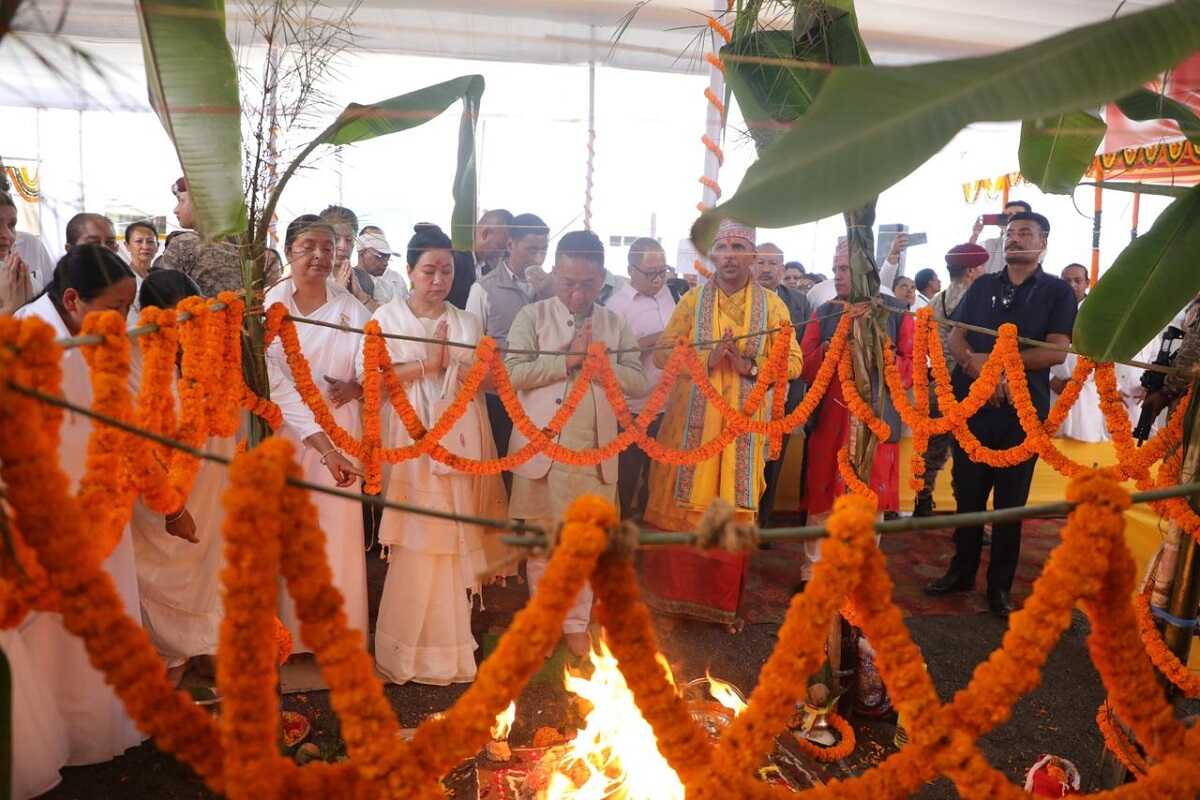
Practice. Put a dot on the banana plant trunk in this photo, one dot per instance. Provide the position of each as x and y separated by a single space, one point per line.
254 361
865 347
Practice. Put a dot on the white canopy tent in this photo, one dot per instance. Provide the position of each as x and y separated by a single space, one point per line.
100 147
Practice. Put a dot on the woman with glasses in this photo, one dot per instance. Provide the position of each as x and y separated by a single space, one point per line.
333 356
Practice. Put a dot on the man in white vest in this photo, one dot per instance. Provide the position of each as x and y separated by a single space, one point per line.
568 323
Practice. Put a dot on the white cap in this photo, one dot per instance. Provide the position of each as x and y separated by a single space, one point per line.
376 242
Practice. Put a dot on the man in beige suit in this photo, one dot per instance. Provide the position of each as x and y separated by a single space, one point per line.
569 321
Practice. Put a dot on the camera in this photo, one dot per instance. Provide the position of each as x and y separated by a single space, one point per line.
1153 381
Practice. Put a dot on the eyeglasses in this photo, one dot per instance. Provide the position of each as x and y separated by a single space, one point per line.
651 276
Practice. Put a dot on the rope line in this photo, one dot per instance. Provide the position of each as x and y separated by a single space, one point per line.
80 341
538 536
375 500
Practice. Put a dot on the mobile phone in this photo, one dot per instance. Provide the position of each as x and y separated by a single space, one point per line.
994 219
915 239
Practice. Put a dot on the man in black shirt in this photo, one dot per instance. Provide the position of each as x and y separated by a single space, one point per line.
1042 307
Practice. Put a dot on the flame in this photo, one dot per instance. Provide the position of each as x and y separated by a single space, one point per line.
725 694
504 721
615 755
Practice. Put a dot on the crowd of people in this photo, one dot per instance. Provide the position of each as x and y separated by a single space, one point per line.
334 271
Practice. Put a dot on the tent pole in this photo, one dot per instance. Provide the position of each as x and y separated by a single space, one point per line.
591 145
1137 210
1099 210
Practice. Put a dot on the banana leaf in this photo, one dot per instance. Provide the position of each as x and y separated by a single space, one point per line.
1145 105
1056 152
1141 292
871 126
770 93
358 123
193 85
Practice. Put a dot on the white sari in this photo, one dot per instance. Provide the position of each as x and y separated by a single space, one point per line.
423 632
332 353
179 581
89 717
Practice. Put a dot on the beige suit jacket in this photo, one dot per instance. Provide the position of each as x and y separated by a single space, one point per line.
543 382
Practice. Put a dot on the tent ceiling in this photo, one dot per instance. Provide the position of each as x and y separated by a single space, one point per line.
661 37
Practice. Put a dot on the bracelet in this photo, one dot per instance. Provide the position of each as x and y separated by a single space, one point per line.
178 515
325 456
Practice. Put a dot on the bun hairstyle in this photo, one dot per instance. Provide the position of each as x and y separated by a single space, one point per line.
89 269
426 236
164 288
302 225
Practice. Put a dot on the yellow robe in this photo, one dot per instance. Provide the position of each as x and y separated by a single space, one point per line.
679 495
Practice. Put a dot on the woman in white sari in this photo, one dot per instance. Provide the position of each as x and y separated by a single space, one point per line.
333 356
435 566
86 724
179 557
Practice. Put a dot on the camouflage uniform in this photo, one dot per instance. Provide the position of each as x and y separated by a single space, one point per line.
938 451
215 266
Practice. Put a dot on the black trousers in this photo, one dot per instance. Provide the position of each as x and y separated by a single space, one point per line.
1009 488
771 471
633 476
501 430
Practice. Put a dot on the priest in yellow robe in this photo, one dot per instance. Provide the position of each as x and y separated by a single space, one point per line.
730 306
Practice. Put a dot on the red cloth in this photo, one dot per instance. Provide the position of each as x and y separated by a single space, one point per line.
823 484
682 581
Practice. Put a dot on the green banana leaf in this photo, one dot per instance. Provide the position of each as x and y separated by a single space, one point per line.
871 126
358 123
771 94
1056 152
193 84
1145 105
1141 292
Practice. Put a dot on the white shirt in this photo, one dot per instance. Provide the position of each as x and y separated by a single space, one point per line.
825 291
920 302
41 264
477 298
995 249
646 315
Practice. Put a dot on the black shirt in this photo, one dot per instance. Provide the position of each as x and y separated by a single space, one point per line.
1040 306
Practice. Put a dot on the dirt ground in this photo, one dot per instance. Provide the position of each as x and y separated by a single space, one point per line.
1058 717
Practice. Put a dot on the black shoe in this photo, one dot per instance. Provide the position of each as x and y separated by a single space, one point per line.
999 602
950 582
924 507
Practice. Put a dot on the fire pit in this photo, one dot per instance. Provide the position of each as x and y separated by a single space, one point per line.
614 754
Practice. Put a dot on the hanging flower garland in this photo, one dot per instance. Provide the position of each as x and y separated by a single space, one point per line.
225 415
1161 656
855 403
58 530
1117 743
374 356
104 489
850 477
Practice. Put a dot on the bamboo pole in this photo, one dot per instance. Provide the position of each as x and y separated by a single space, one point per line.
1185 588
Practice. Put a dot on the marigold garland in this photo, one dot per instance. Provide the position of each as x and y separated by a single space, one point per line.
1091 565
1117 743
854 484
374 357
104 489
855 403
1161 656
828 755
